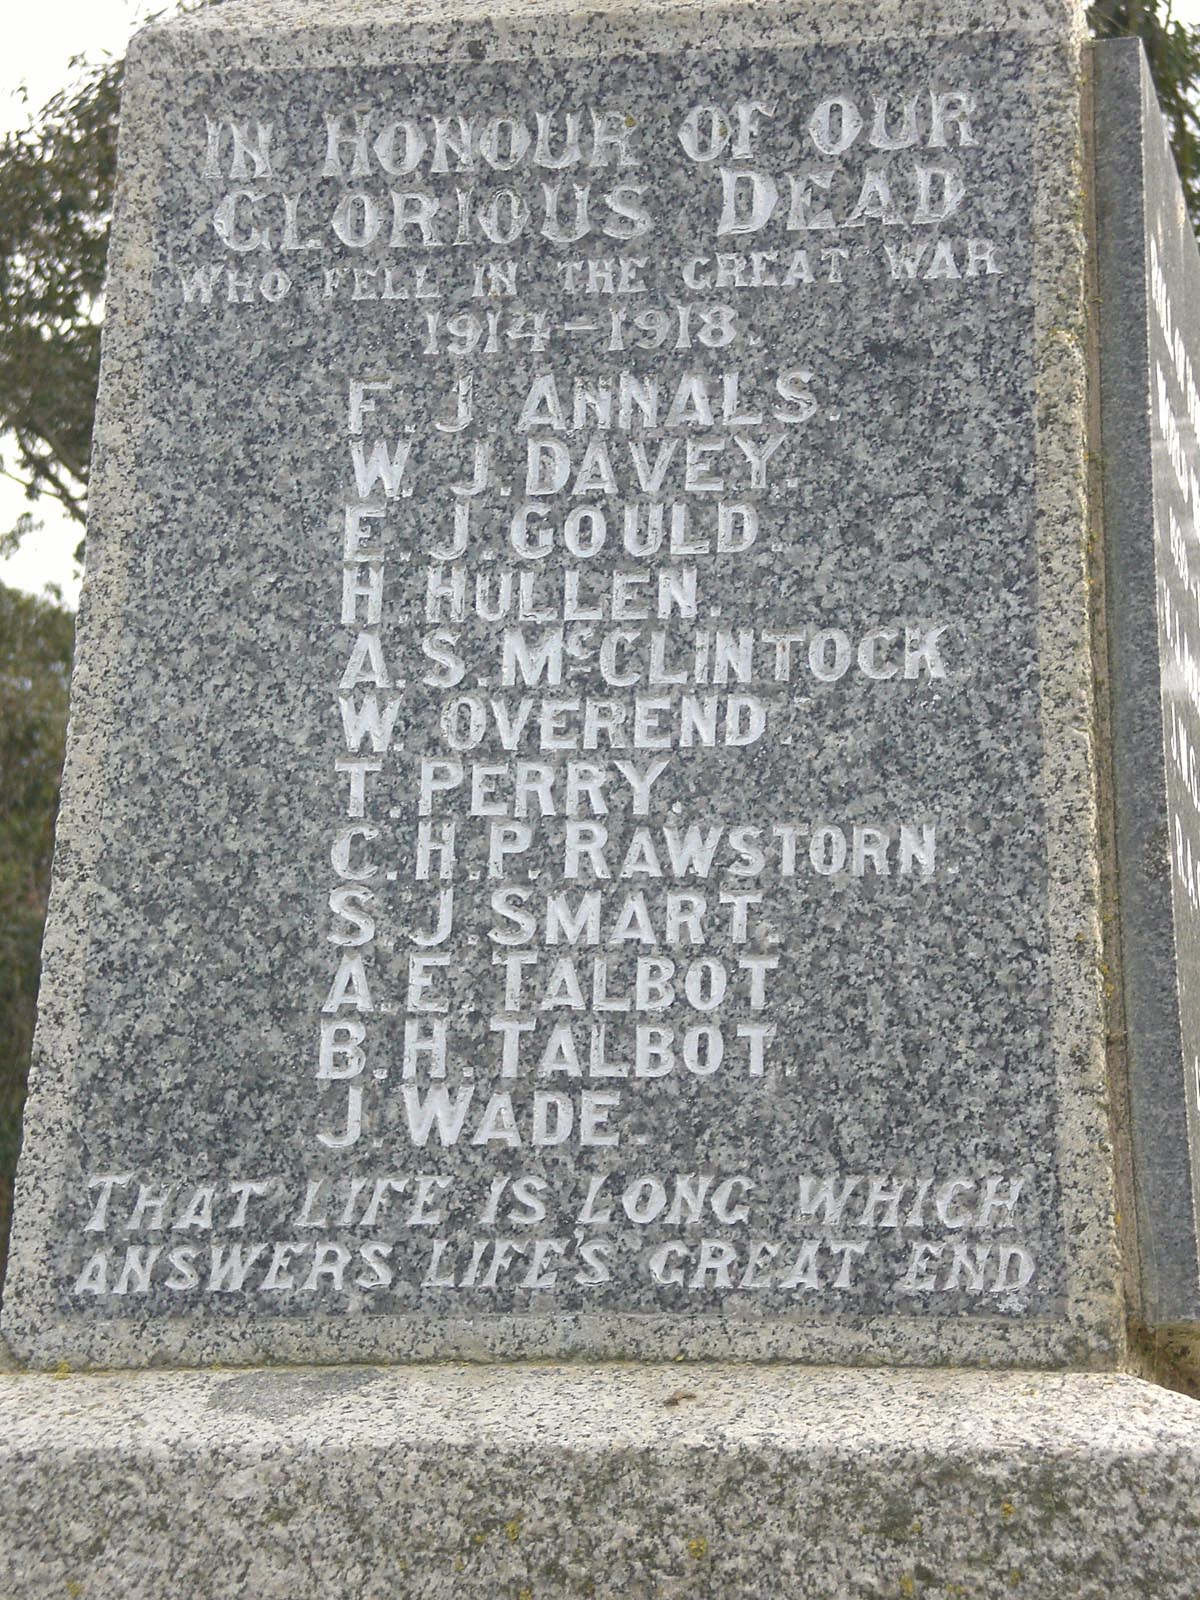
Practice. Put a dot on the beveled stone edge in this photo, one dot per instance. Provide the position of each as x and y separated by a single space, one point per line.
1066 695
50 1117
844 1409
285 33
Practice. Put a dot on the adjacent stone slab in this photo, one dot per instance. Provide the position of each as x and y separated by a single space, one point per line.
577 834
663 1481
1150 370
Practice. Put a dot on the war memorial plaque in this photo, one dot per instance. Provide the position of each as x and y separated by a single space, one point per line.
577 826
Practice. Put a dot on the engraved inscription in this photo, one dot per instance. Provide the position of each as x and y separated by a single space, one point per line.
659 793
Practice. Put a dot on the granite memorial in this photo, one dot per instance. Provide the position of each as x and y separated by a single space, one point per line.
1149 283
583 836
585 847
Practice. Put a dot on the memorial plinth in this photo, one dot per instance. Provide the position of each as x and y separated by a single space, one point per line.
580 836
487 1480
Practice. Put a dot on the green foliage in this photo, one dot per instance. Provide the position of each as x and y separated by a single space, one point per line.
35 661
56 183
1173 51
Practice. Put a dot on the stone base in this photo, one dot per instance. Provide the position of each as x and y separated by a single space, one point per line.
536 1482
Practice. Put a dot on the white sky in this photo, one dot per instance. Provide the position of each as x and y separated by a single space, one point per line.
39 42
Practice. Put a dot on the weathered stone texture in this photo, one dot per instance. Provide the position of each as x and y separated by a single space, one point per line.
618 1483
877 373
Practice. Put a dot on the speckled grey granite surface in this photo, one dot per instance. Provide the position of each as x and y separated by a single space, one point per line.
1149 285
876 1130
614 1482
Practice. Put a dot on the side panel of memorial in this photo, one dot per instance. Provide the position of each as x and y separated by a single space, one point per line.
1149 289
577 833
